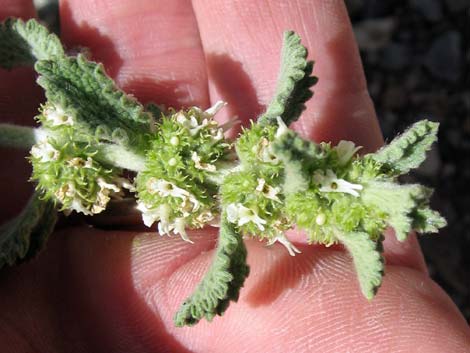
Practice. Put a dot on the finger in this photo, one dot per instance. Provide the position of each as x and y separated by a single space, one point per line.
242 41
313 304
151 47
17 8
19 102
121 290
86 292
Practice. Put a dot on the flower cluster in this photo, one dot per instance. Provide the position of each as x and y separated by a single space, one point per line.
253 195
178 187
255 199
67 171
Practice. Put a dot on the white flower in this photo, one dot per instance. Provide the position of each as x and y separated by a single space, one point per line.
179 228
239 214
149 215
77 206
217 134
267 190
345 151
191 124
67 191
202 166
57 116
281 238
205 217
107 186
265 152
282 127
125 184
45 151
76 162
215 109
330 183
162 215
165 188
164 226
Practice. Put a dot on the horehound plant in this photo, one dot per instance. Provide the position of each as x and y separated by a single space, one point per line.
92 140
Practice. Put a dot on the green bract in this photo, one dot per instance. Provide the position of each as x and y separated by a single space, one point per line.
94 141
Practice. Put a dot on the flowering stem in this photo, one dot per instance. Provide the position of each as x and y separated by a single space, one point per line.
24 137
121 157
21 137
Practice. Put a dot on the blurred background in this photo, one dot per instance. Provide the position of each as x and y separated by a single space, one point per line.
416 56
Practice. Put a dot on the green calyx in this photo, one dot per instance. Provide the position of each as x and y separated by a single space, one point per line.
93 137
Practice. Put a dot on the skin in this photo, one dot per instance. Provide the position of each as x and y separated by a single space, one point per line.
97 290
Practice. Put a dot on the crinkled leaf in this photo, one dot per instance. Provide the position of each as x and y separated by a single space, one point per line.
23 43
294 152
221 284
24 236
426 220
293 85
401 203
83 89
368 260
155 110
408 150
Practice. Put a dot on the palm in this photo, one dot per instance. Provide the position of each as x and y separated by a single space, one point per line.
94 290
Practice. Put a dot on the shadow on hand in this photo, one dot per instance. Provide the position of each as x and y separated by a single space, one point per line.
235 87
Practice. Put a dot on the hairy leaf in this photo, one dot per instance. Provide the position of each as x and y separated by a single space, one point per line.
24 236
367 258
403 205
293 85
23 43
83 89
426 220
408 150
221 284
294 152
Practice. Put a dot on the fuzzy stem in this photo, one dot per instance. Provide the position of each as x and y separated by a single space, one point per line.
24 137
121 157
15 136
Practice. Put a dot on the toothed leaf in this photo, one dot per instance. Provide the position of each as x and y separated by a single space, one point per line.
293 85
83 89
408 150
368 260
401 203
221 284
426 220
23 43
24 236
295 153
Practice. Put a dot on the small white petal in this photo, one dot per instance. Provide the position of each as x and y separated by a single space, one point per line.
179 228
282 127
57 116
215 108
281 238
330 183
202 166
345 151
45 152
232 213
267 190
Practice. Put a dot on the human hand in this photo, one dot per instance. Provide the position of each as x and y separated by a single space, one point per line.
117 291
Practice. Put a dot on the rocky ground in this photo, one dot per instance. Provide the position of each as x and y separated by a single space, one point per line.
416 57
